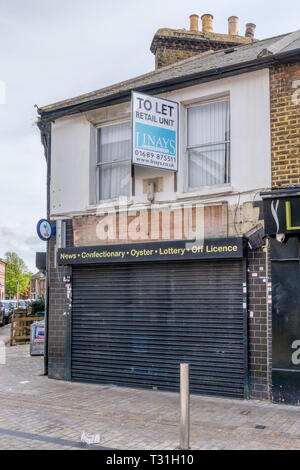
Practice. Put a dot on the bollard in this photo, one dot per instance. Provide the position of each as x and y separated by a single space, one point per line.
184 407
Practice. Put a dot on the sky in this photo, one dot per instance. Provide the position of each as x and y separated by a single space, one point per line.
56 49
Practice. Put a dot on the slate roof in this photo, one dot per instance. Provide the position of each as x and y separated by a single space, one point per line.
190 67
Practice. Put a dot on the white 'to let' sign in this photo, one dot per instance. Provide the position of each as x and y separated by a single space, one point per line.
154 132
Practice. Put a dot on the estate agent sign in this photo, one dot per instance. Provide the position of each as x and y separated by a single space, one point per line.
155 132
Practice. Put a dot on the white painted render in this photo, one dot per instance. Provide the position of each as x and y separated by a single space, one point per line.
73 153
70 154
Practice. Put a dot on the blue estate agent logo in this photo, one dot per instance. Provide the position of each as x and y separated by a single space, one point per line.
155 139
44 229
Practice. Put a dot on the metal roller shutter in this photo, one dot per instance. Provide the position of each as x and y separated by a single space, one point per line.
133 324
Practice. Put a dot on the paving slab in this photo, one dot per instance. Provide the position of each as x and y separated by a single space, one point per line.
41 413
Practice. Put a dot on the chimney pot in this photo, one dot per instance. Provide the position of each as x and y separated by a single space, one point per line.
250 30
207 23
233 25
194 22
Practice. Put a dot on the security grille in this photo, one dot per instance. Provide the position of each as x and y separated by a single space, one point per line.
133 324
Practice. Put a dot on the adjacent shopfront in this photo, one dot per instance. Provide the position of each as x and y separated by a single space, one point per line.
139 310
282 224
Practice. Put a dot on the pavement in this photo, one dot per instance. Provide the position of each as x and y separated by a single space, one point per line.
5 334
40 413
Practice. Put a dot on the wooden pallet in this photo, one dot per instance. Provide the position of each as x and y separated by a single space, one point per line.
20 326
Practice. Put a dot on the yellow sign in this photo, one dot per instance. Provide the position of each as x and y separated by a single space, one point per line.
288 216
219 248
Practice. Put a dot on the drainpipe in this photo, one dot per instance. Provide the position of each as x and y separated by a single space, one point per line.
45 128
48 250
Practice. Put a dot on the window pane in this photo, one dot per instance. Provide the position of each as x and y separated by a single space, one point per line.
208 165
114 180
208 123
114 143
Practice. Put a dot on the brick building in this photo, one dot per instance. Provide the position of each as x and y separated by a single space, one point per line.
282 223
37 286
2 279
169 45
132 291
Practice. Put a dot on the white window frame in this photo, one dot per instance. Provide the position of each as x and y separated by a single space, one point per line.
209 188
98 164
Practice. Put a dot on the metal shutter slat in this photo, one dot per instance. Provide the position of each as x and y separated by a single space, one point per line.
133 324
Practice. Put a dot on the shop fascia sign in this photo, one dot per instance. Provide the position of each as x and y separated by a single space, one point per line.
159 251
282 215
154 132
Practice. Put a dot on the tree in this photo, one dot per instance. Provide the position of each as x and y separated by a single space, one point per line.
16 271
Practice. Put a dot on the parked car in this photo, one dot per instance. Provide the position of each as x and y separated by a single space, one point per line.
1 315
22 304
8 310
13 304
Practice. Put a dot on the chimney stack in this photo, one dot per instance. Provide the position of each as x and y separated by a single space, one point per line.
233 26
207 23
169 46
250 30
194 23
